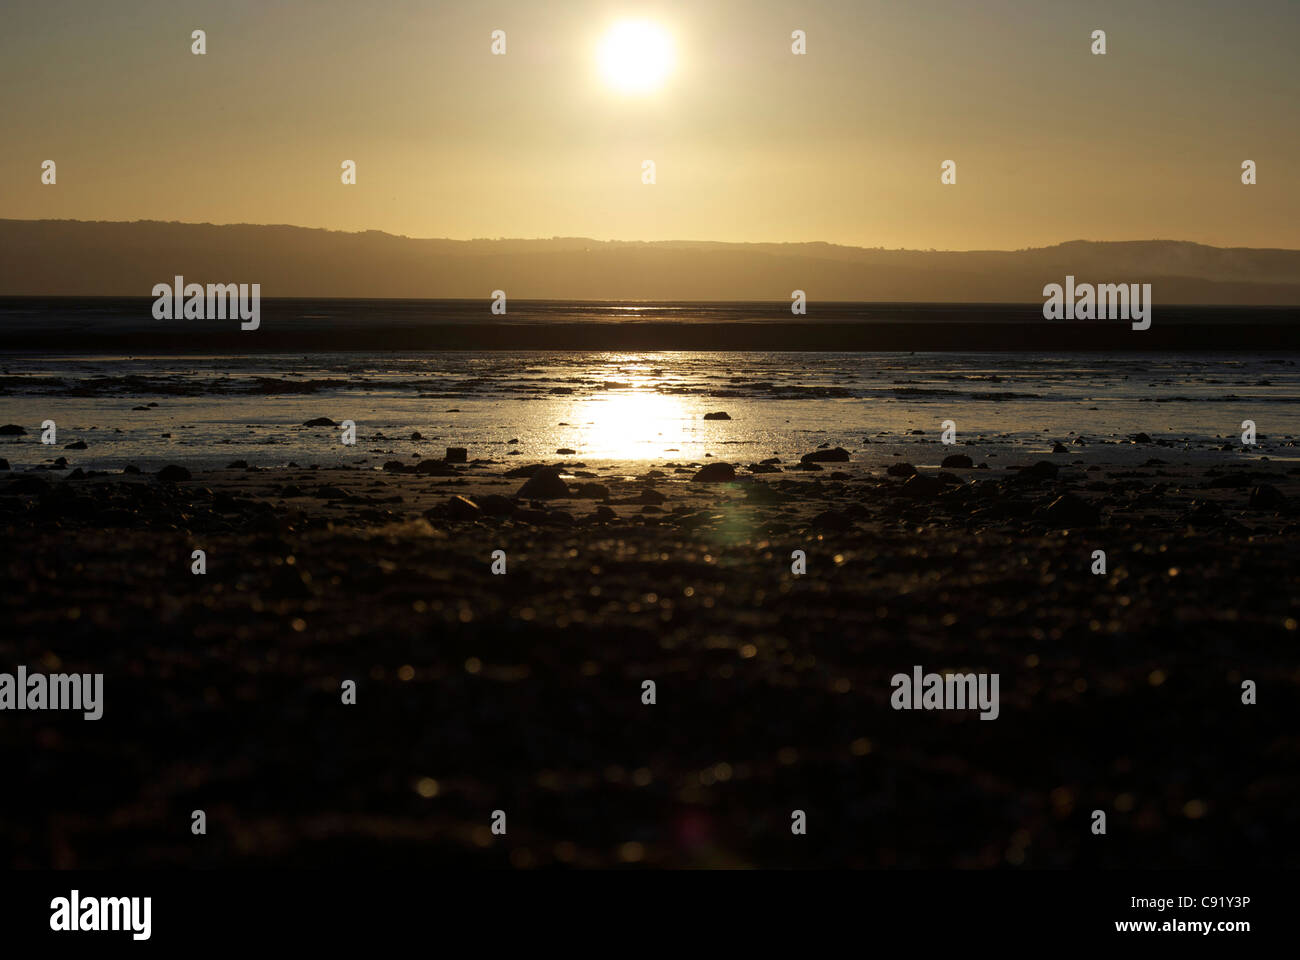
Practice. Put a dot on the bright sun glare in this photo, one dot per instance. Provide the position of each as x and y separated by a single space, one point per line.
636 56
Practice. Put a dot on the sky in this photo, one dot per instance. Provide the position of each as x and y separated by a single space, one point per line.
750 142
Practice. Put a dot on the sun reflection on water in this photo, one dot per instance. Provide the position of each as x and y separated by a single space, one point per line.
634 424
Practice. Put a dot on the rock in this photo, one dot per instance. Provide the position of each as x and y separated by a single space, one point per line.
495 505
604 514
957 461
437 468
4 464
901 469
591 491
837 455
457 454
132 469
76 445
172 473
720 415
512 440
1042 470
832 520
763 468
320 422
328 492
1266 497
715 473
12 430
1141 438
565 451
417 435
650 496
396 466
771 460
922 487
544 484
238 465
807 465
1060 448
461 508
1070 510
524 471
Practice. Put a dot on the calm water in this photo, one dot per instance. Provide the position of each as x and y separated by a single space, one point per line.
644 406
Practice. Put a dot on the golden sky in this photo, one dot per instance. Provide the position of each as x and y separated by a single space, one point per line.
750 142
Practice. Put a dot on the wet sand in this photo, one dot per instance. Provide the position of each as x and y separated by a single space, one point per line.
523 692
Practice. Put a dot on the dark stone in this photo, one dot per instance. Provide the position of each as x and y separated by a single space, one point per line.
1060 448
565 451
720 415
12 430
495 505
1266 497
457 454
715 473
901 469
604 514
396 466
836 455
957 461
461 508
417 435
438 468
922 487
1042 470
320 422
172 473
591 491
132 469
1141 438
544 484
238 465
526 471
76 445
650 496
832 520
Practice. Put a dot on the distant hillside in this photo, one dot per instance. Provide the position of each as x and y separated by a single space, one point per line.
69 257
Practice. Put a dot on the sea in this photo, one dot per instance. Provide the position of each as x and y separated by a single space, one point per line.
652 406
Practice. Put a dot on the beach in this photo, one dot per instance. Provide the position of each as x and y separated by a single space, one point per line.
523 691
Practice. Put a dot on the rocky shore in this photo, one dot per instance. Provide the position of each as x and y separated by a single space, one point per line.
523 691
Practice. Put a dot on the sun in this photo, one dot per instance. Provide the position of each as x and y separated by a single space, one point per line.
636 56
